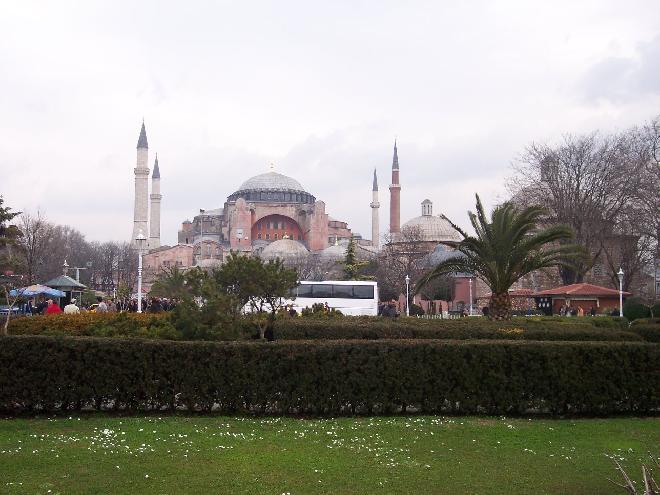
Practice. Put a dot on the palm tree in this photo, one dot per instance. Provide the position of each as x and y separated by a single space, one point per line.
505 249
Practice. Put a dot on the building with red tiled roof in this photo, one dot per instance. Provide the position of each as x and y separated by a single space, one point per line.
585 296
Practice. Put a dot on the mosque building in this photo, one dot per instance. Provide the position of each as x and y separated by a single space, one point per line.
265 209
272 215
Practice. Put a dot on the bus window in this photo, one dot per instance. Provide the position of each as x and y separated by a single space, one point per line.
304 291
363 291
343 291
322 290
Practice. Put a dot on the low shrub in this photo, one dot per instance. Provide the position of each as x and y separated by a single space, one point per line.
82 324
372 328
187 323
47 374
634 308
648 328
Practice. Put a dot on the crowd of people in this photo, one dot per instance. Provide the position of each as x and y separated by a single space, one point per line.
43 306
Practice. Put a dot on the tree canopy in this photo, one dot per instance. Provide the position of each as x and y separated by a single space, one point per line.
504 248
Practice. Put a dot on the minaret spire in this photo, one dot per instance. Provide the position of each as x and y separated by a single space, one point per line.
156 174
155 196
141 171
142 140
375 205
395 158
395 194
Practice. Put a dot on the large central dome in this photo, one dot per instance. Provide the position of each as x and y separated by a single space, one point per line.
272 187
271 181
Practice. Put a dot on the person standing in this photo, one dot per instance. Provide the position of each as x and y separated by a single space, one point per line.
41 306
52 308
71 308
102 307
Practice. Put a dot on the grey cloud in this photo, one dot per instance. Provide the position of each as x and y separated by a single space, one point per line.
620 79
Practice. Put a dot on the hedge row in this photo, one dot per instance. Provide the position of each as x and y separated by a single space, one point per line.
329 378
466 328
75 324
164 326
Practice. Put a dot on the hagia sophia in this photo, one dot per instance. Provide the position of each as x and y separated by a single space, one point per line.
271 215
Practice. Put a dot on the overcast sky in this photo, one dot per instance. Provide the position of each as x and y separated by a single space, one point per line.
320 89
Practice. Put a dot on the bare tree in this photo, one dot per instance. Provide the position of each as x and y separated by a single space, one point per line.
35 243
403 254
592 183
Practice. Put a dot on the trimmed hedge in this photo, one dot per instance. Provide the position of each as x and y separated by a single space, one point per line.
162 326
77 324
329 378
647 328
467 328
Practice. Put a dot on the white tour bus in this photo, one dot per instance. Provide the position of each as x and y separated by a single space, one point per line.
351 297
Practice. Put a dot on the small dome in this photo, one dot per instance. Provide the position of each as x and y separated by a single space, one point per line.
434 228
209 263
441 253
283 249
271 181
335 252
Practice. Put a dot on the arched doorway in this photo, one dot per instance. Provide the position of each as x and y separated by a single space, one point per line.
275 227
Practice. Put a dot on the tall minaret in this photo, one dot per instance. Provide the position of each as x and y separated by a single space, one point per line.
375 205
141 207
156 196
395 195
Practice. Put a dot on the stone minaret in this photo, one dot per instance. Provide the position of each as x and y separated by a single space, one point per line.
155 196
395 195
375 205
141 207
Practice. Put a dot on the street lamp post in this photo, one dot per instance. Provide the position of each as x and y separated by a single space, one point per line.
470 282
407 295
139 241
620 275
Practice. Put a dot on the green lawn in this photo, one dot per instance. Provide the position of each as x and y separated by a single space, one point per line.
409 455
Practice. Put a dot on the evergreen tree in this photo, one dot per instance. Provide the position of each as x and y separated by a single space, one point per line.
9 261
352 266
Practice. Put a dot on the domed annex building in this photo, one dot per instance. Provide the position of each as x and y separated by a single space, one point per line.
430 229
265 209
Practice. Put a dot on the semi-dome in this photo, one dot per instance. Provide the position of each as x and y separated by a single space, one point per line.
283 249
272 187
433 228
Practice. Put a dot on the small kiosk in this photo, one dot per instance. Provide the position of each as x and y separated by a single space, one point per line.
71 288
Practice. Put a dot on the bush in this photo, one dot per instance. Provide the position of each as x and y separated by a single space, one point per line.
634 308
319 310
329 378
372 328
187 322
648 328
83 324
